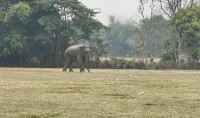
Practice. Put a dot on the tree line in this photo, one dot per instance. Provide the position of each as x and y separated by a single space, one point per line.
35 33
171 34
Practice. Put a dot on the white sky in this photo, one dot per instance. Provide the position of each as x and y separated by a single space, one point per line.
125 9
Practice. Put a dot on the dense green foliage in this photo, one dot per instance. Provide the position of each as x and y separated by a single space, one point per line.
185 41
36 32
187 22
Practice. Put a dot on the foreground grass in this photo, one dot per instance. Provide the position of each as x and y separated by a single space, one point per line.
44 93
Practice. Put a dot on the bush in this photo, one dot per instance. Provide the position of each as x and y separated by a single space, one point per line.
120 63
165 65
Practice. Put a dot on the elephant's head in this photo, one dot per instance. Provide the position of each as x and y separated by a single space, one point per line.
85 50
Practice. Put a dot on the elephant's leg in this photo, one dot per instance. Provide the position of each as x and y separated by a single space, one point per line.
70 68
81 63
87 67
87 60
81 67
65 66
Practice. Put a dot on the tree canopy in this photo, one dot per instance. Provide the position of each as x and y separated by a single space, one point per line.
187 22
37 31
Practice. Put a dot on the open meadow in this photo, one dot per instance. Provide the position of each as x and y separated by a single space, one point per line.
103 93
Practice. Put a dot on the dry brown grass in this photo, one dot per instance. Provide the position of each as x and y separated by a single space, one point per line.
44 93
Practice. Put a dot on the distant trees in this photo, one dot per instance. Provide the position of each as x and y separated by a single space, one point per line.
174 35
120 37
124 38
157 35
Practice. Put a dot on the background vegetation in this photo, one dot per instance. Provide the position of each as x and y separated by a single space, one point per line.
35 33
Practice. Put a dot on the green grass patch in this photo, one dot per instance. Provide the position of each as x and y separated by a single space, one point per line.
44 93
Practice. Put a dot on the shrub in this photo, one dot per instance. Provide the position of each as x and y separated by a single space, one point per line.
120 63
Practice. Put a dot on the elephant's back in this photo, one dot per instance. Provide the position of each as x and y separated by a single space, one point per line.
72 51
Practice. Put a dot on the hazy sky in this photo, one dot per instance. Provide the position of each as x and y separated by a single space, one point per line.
125 9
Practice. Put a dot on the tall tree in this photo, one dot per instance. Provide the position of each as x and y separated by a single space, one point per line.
145 27
41 29
169 8
187 21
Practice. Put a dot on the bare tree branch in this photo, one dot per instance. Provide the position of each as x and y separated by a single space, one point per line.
141 8
191 3
145 27
161 5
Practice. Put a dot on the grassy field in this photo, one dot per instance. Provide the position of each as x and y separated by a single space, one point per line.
49 93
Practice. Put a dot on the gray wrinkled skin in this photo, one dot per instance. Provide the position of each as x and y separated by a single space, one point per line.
77 53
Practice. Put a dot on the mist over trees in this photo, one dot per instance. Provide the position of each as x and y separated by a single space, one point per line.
120 37
172 34
124 37
35 33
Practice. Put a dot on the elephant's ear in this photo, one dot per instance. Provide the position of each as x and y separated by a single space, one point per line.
82 47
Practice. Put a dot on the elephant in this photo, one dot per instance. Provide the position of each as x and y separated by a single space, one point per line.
77 53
